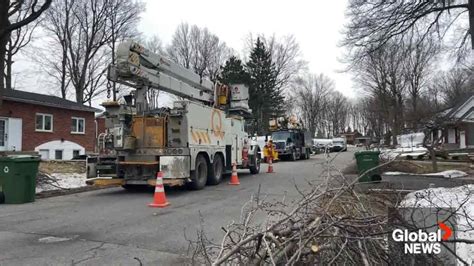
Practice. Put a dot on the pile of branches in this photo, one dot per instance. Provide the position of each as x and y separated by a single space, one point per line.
332 223
44 179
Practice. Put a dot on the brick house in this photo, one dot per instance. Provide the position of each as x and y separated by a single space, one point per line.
56 128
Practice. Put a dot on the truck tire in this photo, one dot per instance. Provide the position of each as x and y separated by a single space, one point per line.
2 198
199 175
216 171
293 155
255 168
304 154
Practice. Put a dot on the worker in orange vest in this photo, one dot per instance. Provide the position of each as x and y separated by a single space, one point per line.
270 151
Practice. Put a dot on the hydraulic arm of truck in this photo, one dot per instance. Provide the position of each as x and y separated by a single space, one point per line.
139 68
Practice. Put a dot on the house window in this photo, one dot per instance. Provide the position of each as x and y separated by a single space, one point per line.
77 126
76 153
58 154
44 122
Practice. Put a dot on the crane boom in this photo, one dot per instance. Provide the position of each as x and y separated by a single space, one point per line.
136 66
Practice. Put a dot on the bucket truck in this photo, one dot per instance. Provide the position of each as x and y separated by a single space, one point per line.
194 143
291 140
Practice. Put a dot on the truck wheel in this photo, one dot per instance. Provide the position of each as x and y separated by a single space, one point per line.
304 154
199 175
255 168
293 155
215 172
2 198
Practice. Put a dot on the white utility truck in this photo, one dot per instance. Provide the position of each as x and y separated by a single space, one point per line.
195 142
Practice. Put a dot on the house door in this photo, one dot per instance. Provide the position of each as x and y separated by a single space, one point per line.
462 139
3 134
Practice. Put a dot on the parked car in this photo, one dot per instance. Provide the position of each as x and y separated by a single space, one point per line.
339 144
322 145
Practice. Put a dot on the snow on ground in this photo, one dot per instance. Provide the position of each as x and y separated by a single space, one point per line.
445 174
460 198
65 181
390 154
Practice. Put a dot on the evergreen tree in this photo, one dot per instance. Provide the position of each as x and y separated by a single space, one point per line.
266 100
233 72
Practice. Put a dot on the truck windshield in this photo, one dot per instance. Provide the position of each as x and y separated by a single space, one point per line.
281 135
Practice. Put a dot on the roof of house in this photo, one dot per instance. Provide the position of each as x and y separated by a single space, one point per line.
463 111
45 100
352 133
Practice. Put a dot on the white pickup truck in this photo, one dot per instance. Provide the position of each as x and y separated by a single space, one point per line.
339 144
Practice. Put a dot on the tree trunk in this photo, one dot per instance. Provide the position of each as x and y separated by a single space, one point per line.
63 71
114 84
8 71
3 43
434 161
4 37
80 93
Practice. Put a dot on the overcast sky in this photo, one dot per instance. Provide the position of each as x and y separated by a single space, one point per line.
316 25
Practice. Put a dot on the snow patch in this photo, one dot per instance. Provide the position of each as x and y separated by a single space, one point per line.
462 199
53 239
390 154
65 181
445 174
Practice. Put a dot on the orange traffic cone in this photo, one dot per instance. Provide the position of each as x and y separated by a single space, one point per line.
159 199
270 165
234 179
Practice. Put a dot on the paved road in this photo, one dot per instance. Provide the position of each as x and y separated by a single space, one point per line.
116 226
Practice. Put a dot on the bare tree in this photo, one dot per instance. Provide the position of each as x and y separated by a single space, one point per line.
87 32
372 24
286 55
154 44
180 49
454 85
310 97
19 38
9 10
380 74
417 63
122 19
59 23
336 114
198 49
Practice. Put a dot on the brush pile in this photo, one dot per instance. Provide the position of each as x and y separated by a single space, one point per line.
331 224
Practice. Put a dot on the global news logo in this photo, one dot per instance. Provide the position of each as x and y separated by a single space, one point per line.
421 242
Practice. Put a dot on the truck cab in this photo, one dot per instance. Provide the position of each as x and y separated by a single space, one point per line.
292 144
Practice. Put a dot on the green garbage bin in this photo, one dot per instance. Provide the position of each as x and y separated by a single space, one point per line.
367 160
18 178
